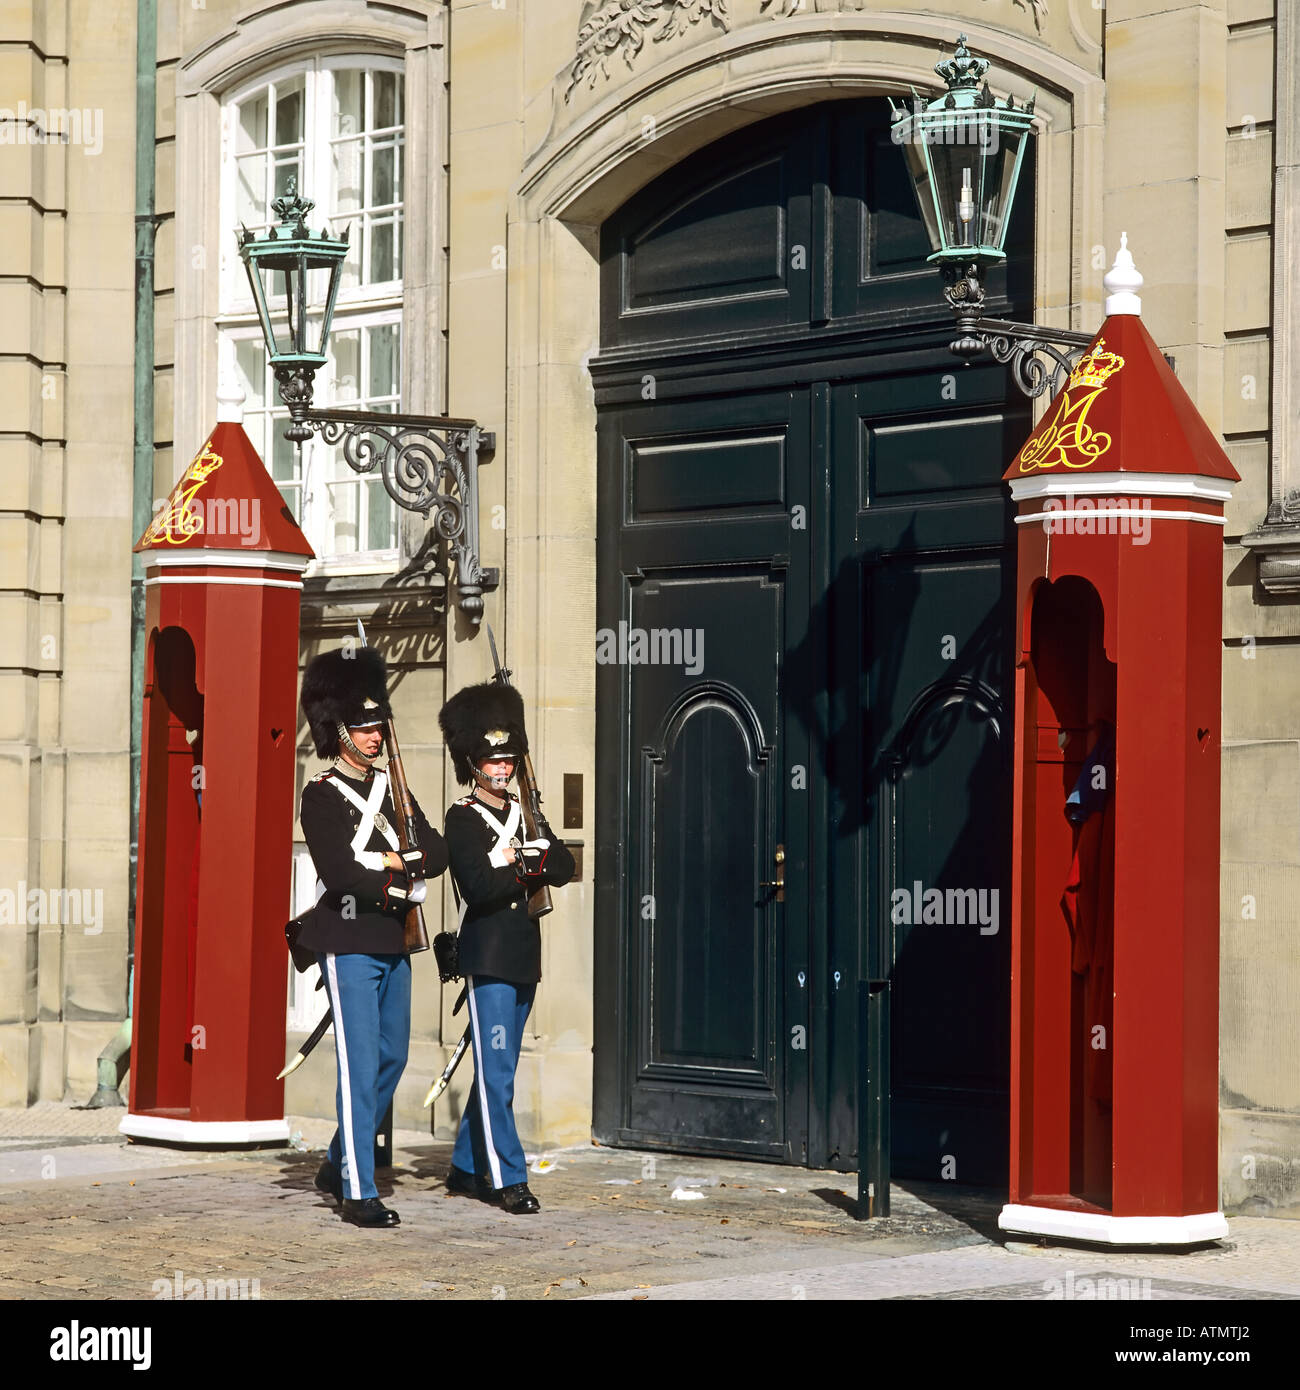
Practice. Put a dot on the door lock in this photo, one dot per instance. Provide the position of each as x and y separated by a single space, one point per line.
779 881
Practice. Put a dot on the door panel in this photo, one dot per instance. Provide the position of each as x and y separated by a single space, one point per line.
696 493
719 246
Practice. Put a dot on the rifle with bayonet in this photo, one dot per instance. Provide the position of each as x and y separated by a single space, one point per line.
415 935
530 799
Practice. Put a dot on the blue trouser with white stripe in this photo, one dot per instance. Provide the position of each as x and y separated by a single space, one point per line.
371 999
488 1144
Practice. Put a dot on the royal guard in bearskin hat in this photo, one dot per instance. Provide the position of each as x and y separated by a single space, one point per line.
495 869
367 885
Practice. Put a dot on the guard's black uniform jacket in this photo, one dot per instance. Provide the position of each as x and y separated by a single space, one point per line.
356 914
497 936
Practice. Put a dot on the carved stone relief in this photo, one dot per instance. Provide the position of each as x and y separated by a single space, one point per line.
612 28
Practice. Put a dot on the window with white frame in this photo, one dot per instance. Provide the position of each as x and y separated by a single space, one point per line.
335 125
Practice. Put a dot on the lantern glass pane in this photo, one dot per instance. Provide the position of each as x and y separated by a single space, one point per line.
288 340
951 162
999 191
919 170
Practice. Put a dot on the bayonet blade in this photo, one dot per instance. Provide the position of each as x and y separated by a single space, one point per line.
503 675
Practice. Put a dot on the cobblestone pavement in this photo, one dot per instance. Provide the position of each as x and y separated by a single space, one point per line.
86 1215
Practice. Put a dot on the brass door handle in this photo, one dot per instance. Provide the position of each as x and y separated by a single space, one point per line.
779 881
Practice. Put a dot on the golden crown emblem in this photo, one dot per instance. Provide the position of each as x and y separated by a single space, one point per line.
204 465
1094 369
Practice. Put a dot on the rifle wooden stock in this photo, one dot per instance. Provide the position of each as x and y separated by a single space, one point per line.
416 937
530 801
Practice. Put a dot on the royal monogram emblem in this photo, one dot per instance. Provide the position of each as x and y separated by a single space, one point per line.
1067 440
181 517
381 822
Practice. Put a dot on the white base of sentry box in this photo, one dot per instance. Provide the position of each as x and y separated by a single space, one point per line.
1113 1230
204 1133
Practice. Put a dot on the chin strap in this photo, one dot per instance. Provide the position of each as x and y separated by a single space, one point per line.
346 739
494 784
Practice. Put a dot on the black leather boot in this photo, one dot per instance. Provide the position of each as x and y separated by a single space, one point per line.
330 1180
369 1211
463 1184
518 1201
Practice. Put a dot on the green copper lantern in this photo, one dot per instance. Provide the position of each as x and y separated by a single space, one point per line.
964 153
292 251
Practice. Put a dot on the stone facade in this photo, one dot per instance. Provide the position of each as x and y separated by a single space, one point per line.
528 123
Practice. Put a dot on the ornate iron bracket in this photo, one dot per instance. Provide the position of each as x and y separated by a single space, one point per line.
1020 344
428 463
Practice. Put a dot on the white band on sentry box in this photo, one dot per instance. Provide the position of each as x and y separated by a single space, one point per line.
1098 1227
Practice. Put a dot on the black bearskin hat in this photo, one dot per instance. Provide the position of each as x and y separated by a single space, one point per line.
346 686
482 721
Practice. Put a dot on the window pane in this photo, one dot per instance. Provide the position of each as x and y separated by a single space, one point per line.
345 347
349 113
383 176
351 277
379 523
250 366
347 177
284 455
344 495
385 365
250 200
251 131
288 167
383 253
289 112
387 100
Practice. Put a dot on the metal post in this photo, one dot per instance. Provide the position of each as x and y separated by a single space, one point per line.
873 1098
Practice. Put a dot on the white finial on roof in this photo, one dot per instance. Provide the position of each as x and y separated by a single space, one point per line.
1123 281
230 394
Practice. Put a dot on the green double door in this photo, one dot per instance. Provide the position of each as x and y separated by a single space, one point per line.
804 606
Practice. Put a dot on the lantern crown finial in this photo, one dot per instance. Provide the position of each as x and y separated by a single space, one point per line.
963 70
289 207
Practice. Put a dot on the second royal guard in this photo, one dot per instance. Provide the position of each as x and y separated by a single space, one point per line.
357 928
495 869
